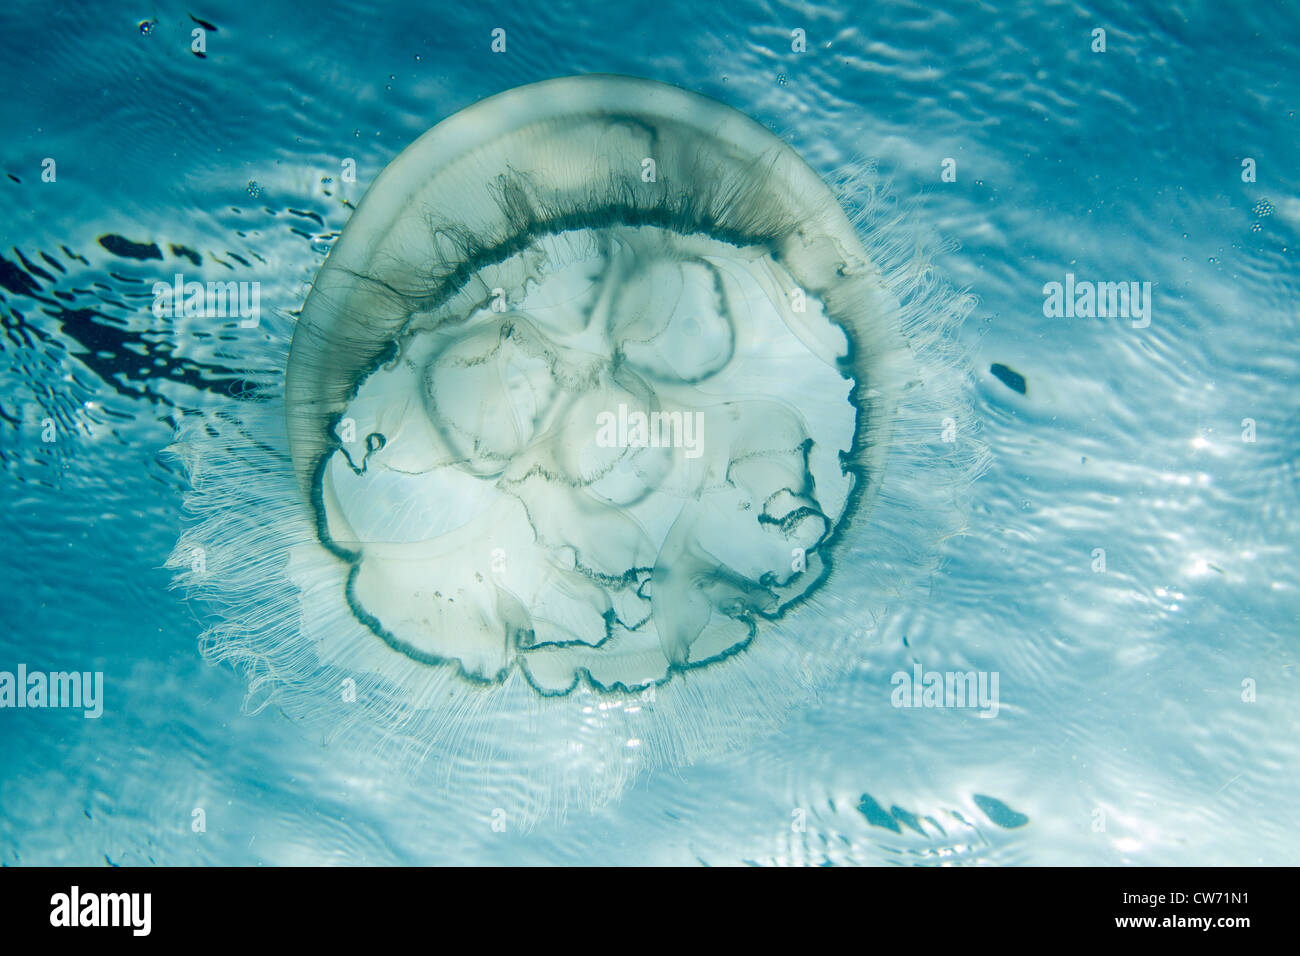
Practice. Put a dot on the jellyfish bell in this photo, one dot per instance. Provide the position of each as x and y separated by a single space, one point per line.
606 428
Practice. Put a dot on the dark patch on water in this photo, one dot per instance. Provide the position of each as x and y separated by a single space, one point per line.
1008 377
909 820
999 812
132 362
876 814
15 280
126 249
306 214
187 253
32 268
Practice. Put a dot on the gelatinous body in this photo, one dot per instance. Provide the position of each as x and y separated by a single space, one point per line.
587 416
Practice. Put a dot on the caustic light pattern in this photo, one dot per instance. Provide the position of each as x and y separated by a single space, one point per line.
607 430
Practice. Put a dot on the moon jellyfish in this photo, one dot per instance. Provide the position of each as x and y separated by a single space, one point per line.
607 431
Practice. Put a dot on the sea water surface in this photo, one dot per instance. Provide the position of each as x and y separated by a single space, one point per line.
1129 570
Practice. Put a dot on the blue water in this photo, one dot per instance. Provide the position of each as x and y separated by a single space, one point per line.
1150 712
